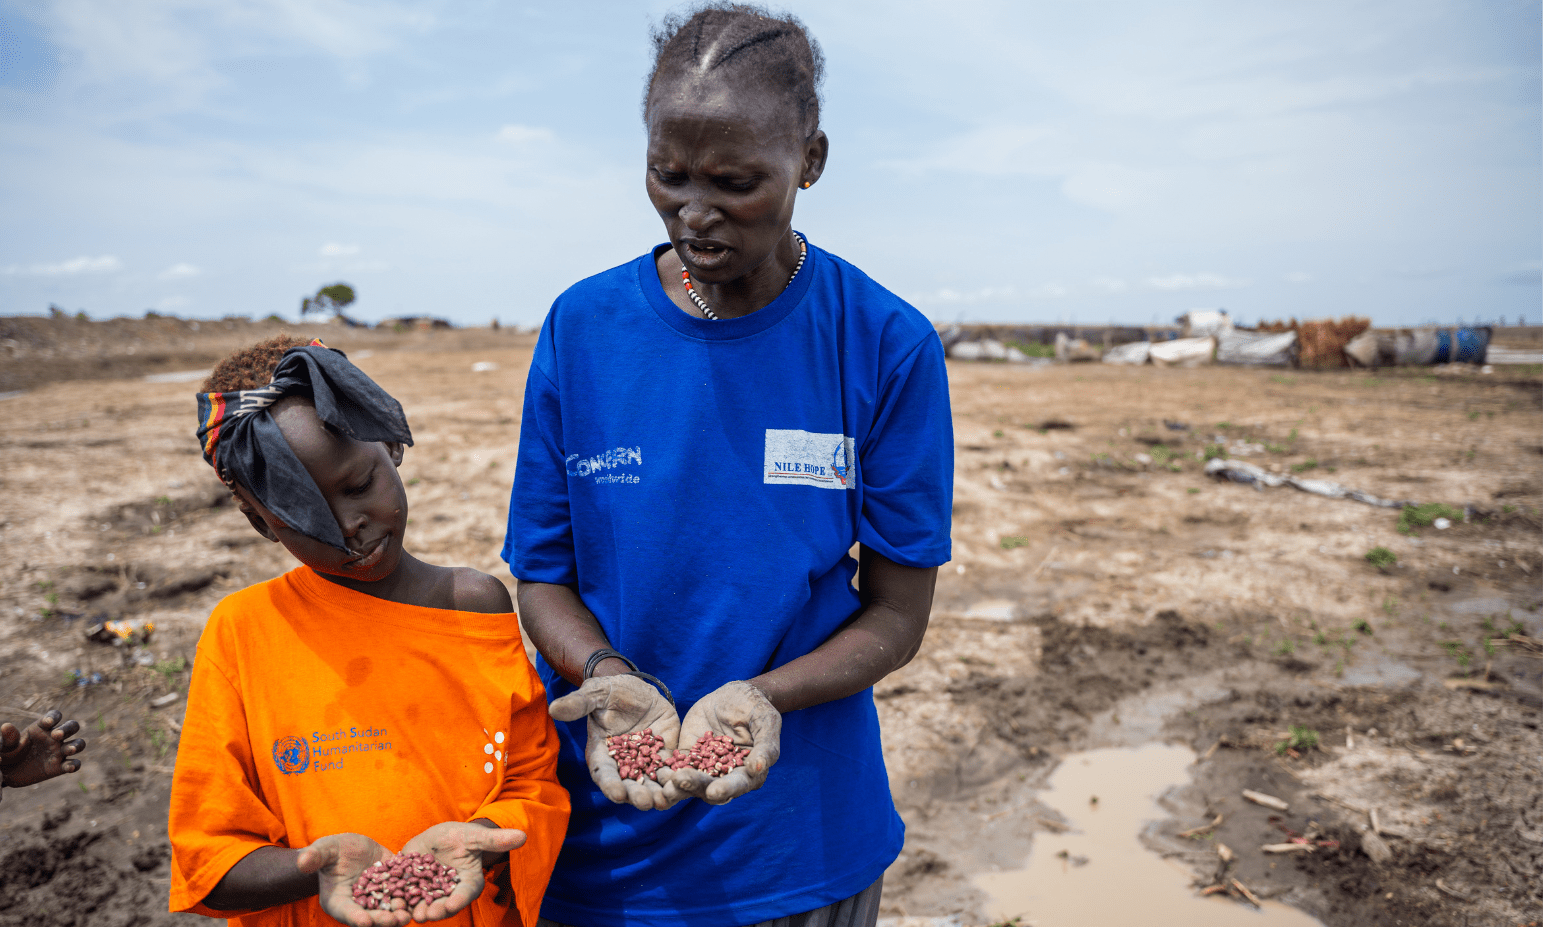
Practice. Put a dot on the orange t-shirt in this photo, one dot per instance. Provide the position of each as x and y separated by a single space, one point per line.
317 710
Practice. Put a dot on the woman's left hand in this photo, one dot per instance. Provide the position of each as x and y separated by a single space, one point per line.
741 711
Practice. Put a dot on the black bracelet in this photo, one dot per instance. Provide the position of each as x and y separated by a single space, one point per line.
654 681
605 653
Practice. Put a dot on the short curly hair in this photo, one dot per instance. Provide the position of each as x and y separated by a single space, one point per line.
250 368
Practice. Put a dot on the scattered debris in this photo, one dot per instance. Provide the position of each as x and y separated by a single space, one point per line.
1202 829
165 700
1287 848
1477 685
1451 892
119 633
1261 798
1241 472
1250 897
1376 849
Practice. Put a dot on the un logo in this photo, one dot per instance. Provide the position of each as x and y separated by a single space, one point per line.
291 755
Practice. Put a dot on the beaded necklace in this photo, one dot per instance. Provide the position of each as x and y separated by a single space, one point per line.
686 281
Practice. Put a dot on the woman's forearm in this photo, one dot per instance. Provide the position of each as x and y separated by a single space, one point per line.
883 636
563 630
265 877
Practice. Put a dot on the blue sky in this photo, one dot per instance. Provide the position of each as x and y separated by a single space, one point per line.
991 161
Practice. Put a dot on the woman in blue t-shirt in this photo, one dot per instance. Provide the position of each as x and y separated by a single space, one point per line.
707 432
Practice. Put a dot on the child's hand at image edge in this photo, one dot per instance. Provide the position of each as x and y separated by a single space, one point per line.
40 752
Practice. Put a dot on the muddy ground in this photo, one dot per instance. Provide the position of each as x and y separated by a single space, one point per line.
1103 593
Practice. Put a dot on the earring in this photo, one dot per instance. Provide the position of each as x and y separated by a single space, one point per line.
806 185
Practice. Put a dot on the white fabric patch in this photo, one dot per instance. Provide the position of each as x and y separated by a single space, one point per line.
806 458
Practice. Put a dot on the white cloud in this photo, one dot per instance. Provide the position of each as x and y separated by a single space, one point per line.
184 46
105 264
1203 281
522 135
333 249
179 271
1109 284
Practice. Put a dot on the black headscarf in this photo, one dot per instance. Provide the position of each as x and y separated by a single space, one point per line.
244 445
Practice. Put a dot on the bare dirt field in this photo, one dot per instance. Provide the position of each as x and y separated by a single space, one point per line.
1104 594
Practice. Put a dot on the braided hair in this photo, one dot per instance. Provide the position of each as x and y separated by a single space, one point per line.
774 52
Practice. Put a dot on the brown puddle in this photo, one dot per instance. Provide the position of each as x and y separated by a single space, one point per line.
1099 872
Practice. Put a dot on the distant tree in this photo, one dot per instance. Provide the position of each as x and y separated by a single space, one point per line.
330 298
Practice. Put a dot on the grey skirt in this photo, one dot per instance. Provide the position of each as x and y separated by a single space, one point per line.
862 910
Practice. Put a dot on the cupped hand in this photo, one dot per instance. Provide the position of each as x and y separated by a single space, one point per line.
740 711
460 846
338 860
621 705
40 752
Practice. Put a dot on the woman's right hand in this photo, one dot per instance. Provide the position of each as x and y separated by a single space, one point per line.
621 705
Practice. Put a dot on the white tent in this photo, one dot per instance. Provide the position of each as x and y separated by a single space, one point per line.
1182 352
1257 349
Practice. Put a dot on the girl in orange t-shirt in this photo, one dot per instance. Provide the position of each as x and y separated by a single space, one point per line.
364 703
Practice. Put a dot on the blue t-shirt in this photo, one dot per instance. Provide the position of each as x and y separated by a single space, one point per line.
701 483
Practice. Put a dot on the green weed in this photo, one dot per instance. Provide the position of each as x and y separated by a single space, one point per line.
415 481
1287 646
1361 626
1192 491
1300 738
998 433
1422 516
1390 604
1381 557
1030 349
1285 381
1012 541
1459 652
1320 638
1225 426
1309 464
1214 450
163 500
168 669
158 740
